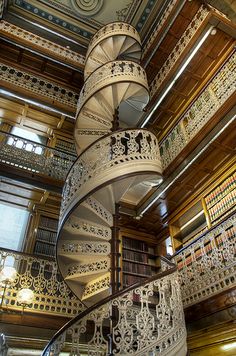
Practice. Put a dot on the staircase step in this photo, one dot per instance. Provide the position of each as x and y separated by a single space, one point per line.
102 99
107 47
119 41
76 270
81 227
80 250
91 120
96 286
98 210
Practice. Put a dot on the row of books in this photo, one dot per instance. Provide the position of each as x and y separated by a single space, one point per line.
137 268
135 256
65 146
134 244
223 189
47 222
222 206
130 279
42 248
46 235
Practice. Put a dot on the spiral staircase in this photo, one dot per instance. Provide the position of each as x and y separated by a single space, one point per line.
115 163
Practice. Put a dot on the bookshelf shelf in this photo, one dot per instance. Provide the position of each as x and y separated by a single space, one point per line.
152 255
138 260
137 274
222 199
216 205
141 263
49 243
46 234
47 229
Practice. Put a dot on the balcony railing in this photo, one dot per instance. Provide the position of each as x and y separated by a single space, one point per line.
144 319
34 157
207 266
200 112
51 294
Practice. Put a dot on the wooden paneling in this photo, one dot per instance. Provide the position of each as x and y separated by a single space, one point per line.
33 63
204 64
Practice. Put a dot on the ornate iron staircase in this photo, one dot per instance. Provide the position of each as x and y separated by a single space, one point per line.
115 163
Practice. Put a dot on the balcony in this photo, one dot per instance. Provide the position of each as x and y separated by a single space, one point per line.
34 158
200 113
207 265
51 294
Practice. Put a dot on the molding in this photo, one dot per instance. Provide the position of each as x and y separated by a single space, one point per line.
64 25
179 49
217 92
41 44
158 27
38 85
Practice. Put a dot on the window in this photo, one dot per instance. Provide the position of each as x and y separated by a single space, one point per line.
28 135
13 223
169 248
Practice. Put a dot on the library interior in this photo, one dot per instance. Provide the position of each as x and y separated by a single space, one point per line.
118 177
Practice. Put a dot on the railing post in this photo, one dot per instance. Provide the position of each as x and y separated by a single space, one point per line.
115 255
115 122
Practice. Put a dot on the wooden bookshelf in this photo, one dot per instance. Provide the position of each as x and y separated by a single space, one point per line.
222 199
63 143
46 234
217 202
138 261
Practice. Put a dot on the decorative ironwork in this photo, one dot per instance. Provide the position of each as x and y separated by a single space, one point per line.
153 325
66 54
167 11
208 266
183 42
38 85
200 112
84 247
88 268
93 204
86 227
112 29
116 71
52 296
121 149
34 157
96 286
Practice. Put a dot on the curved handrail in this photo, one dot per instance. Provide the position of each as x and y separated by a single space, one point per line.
103 31
107 135
173 268
102 79
147 150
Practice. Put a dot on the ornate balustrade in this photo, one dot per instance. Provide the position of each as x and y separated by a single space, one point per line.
112 29
200 112
51 294
208 266
110 73
38 85
34 157
133 150
152 324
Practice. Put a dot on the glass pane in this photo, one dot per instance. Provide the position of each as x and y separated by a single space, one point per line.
13 223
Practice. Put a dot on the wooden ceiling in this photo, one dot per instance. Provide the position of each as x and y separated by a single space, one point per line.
204 65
